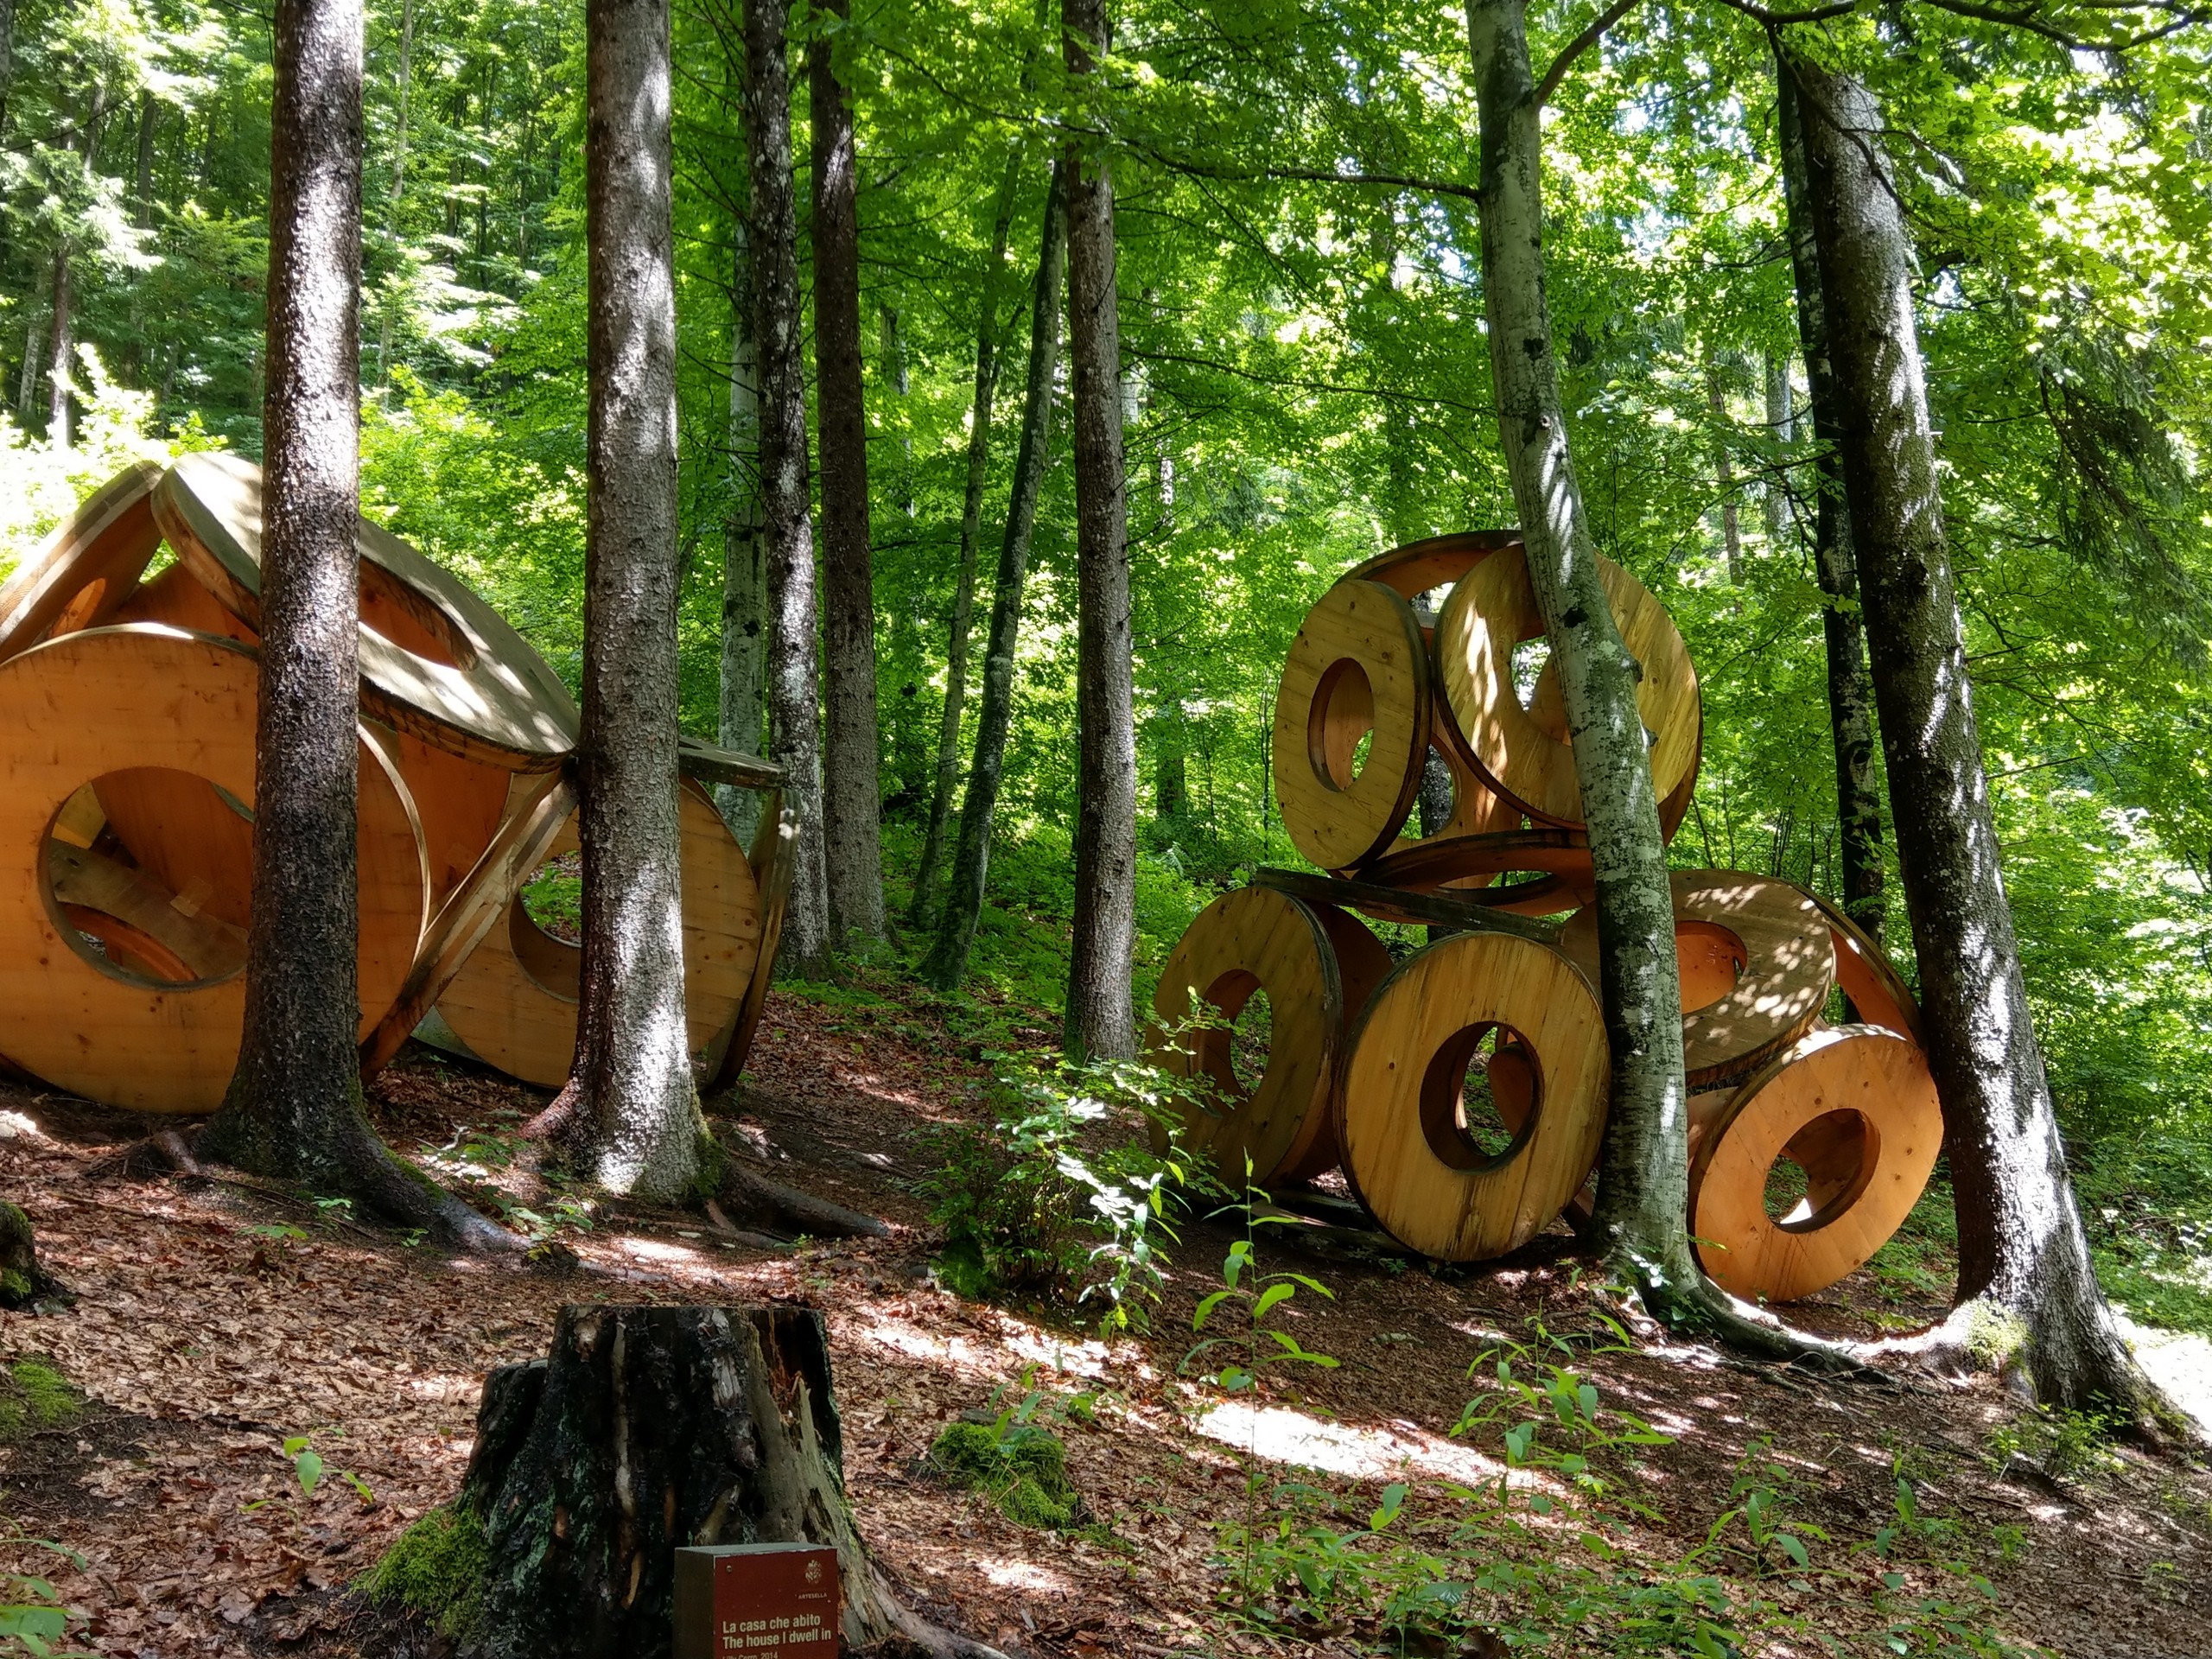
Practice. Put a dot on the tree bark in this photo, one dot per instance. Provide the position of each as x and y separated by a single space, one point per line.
1644 1175
398 183
7 59
794 711
947 964
650 1429
1851 688
27 383
2022 1253
1773 498
1171 779
744 552
61 366
971 522
1099 1020
852 796
25 1286
293 1110
636 1128
1724 472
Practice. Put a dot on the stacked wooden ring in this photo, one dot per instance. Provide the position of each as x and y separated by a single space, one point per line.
127 734
1462 1087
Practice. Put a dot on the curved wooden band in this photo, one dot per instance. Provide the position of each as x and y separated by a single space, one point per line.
87 567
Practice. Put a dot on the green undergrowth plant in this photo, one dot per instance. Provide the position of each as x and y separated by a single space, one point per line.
35 1621
436 1568
2064 1444
1016 1461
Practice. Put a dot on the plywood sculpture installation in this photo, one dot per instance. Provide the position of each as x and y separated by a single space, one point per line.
1462 1087
126 811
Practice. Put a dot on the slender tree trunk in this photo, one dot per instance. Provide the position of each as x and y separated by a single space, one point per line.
27 385
1724 472
294 1106
2023 1256
947 964
1773 497
895 367
1644 1179
1851 688
794 709
635 1127
7 59
1099 1020
61 366
1171 781
141 191
971 524
852 796
399 185
744 553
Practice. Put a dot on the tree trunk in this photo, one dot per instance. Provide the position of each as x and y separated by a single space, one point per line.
141 191
744 553
947 964
635 1127
27 385
971 522
292 1109
2022 1254
1850 689
852 797
61 366
25 1287
399 184
1773 497
7 59
1099 1020
651 1429
1644 1180
1724 472
894 367
1171 779
794 710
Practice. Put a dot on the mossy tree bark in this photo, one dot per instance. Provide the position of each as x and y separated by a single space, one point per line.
652 1428
293 1107
23 1283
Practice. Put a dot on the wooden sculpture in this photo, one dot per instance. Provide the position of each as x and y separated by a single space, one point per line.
87 565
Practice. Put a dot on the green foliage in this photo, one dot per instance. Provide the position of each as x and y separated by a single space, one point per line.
34 1396
34 1619
2064 1444
1021 1467
436 1568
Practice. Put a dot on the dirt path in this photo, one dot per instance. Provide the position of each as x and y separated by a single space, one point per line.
215 1323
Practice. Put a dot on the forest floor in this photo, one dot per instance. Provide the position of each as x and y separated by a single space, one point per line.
219 1320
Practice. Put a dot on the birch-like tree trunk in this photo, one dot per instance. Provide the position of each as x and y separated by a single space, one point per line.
1851 688
61 364
852 796
399 184
1099 1020
1780 426
636 1128
947 963
2024 1272
744 553
971 524
292 1109
1643 1176
794 709
1724 472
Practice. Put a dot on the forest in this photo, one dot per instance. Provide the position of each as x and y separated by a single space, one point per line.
1036 604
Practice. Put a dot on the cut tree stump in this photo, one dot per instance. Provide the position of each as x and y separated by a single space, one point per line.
648 1429
23 1283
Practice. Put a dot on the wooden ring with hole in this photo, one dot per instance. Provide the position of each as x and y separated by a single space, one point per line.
1418 568
514 1001
1756 964
115 704
1315 963
1878 992
1358 665
437 661
1855 1107
1423 1181
92 560
1523 751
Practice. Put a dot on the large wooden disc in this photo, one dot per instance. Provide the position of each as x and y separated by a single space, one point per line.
1878 994
1241 944
1855 1107
1357 666
1420 1175
514 1001
437 661
87 565
1522 750
774 856
1418 568
1756 965
164 720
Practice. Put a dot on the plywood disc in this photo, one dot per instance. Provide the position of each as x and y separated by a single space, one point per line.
514 1001
1522 750
1422 567
1406 1155
1356 668
87 565
1242 943
1878 994
436 659
1756 964
146 705
1855 1108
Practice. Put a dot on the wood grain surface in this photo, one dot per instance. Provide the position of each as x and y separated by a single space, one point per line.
89 565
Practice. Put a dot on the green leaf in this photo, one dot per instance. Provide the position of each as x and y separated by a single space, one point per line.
308 1466
1792 1548
1206 1307
1272 1296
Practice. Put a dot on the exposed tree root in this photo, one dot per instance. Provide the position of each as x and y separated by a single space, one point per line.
752 1200
1692 1305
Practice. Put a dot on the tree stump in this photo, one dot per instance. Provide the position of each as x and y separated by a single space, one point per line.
23 1283
647 1429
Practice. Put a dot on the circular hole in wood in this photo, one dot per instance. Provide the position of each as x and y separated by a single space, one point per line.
1217 1044
1340 725
396 613
1530 658
545 923
148 872
1480 1097
1822 1169
1710 959
1251 1040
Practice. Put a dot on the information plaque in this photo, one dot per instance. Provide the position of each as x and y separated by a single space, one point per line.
757 1601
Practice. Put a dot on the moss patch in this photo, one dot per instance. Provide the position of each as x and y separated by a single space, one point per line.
1024 1472
34 1395
436 1568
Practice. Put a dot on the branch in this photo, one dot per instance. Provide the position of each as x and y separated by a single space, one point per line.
1311 174
1576 48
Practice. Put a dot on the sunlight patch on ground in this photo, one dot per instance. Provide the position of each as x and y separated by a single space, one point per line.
1280 1435
1023 1575
440 1385
2177 1362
